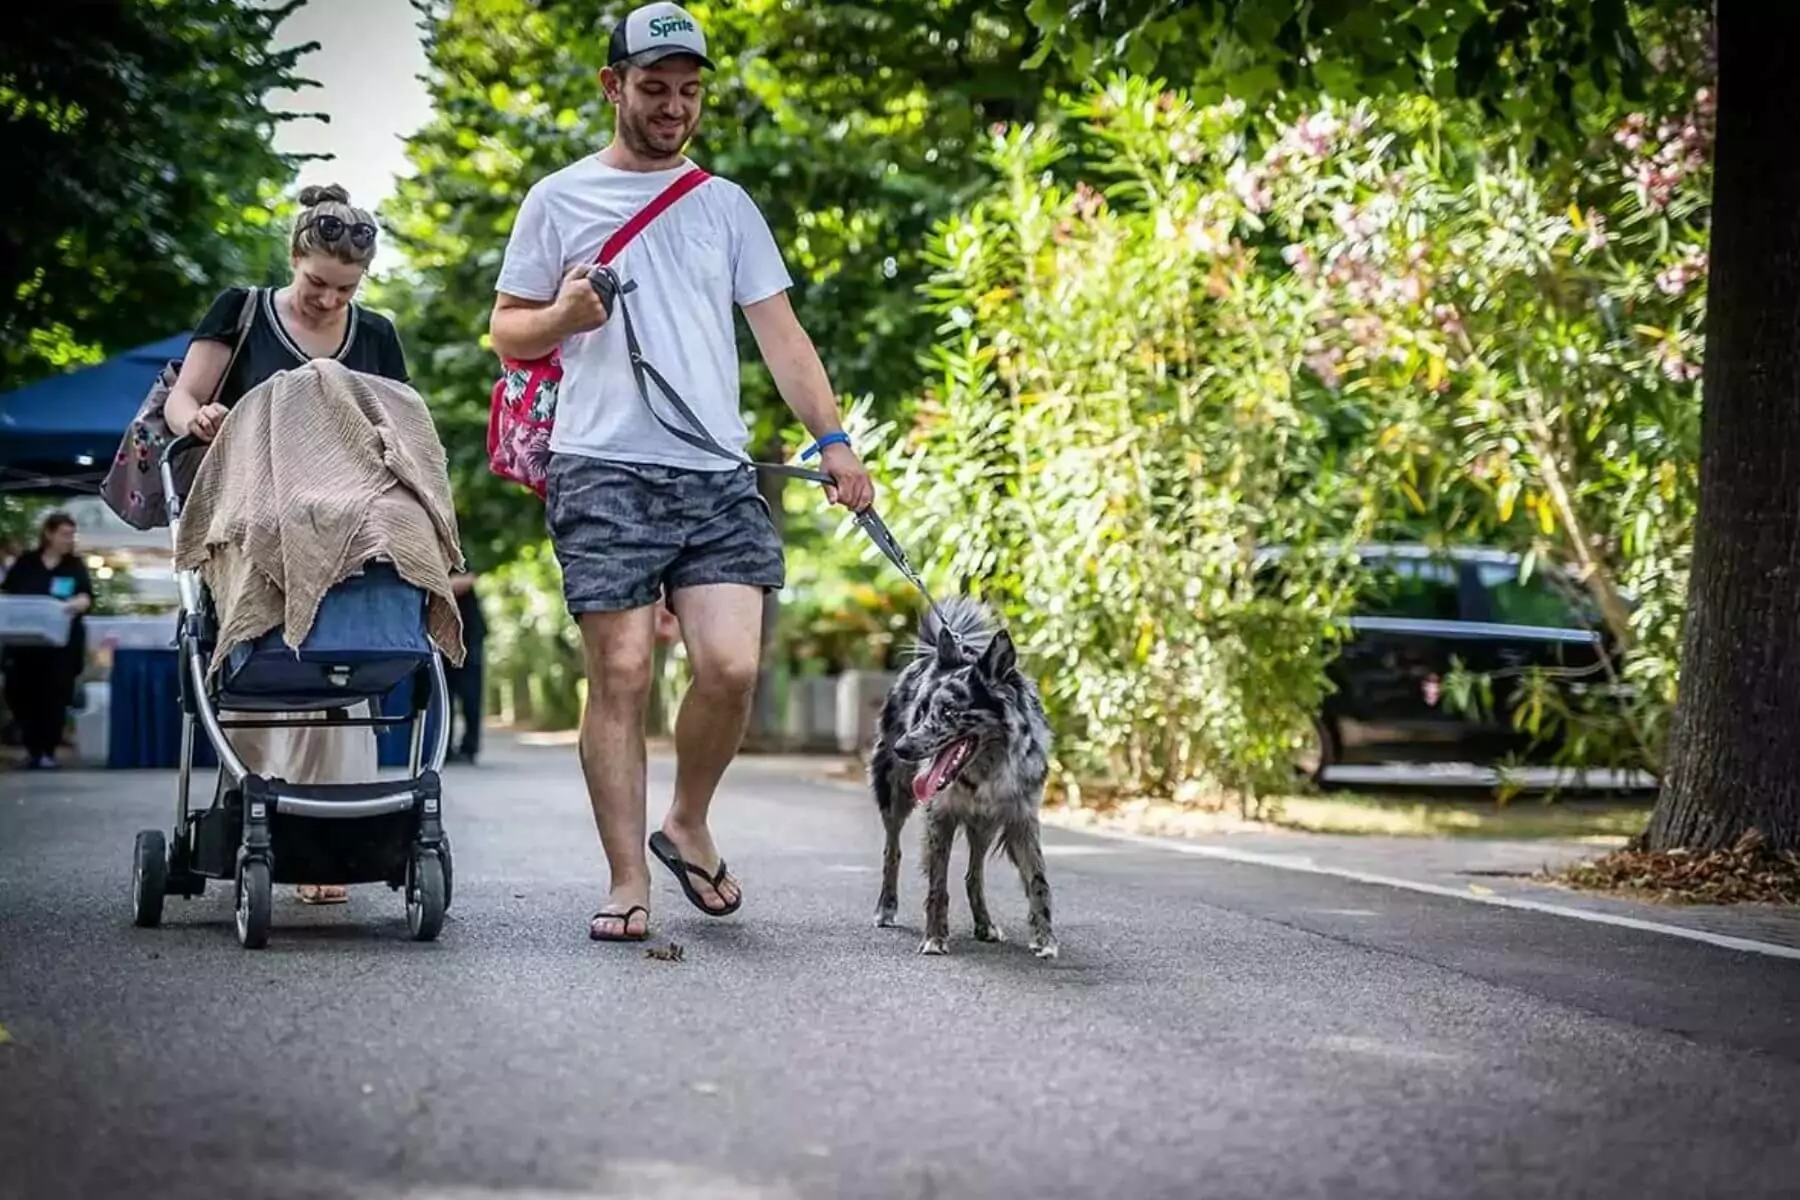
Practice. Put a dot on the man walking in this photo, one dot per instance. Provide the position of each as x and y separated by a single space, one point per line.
635 512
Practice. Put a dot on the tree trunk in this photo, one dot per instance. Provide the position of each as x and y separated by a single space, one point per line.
1734 749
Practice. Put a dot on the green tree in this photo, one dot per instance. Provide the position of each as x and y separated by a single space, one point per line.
1535 65
1732 767
144 177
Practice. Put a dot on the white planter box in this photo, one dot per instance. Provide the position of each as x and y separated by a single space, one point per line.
860 695
93 724
812 713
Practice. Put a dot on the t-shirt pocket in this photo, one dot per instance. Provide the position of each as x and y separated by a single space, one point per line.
706 250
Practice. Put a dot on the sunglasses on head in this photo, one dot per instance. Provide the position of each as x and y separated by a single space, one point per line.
333 229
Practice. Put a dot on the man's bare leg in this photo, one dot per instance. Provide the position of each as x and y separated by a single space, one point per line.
617 646
721 625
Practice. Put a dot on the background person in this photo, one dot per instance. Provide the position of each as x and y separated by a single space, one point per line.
465 682
40 680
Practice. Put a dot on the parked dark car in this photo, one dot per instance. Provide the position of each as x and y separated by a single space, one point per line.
1422 611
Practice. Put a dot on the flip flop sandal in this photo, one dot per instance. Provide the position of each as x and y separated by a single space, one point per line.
624 920
664 848
316 893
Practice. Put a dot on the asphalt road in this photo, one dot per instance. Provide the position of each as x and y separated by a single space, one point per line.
1211 1030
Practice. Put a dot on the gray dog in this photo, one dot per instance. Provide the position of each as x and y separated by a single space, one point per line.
963 734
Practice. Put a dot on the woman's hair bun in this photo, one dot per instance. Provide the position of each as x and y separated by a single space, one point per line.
316 194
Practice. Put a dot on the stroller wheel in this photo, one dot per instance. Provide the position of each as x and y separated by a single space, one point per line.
149 878
449 871
425 897
254 900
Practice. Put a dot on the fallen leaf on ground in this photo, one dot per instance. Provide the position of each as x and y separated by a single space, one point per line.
1748 873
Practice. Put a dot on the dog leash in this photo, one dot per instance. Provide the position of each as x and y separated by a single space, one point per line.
612 292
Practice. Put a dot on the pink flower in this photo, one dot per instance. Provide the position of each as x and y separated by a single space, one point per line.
1595 241
1367 331
1251 187
1323 362
1312 135
1301 260
1354 223
1675 278
1675 366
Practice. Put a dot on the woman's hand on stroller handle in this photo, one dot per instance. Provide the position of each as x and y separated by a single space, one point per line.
204 425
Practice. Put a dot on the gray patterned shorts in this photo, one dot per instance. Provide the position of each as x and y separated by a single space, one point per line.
625 533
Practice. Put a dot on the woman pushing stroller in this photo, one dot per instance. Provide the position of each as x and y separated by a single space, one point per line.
314 317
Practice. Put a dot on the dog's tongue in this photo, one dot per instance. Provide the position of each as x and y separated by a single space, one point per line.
928 783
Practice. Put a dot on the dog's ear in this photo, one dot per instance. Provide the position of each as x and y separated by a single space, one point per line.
1000 658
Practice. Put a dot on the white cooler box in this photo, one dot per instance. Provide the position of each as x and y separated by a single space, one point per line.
33 621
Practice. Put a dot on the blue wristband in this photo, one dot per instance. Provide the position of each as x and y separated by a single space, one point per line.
839 438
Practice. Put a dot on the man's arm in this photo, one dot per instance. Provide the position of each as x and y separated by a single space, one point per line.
533 310
526 329
800 377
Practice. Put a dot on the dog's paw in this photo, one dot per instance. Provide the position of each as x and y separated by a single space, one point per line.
935 945
1046 948
989 933
884 920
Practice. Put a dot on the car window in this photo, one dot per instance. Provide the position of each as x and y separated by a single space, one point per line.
1414 589
1543 601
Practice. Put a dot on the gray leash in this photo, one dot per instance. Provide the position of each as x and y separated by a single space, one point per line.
612 292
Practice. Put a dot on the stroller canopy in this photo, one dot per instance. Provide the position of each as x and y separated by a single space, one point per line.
58 435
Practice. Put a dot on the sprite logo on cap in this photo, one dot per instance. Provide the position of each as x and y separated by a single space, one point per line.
664 26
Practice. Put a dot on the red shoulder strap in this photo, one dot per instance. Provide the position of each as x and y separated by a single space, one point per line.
669 195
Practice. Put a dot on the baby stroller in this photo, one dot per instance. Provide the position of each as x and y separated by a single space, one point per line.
368 639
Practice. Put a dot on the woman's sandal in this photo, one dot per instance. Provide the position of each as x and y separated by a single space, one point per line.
624 920
323 893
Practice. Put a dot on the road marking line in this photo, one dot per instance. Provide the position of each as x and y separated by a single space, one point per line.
1305 864
1294 862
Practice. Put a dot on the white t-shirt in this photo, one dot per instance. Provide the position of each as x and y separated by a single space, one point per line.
711 249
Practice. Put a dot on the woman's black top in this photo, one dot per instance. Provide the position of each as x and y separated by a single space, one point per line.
370 345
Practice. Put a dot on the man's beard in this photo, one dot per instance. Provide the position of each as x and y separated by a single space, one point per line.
646 142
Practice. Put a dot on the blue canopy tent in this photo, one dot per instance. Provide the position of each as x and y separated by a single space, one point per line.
58 435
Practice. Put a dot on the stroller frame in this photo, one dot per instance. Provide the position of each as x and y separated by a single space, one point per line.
260 831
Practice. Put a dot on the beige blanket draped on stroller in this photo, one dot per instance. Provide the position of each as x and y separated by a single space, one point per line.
318 471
